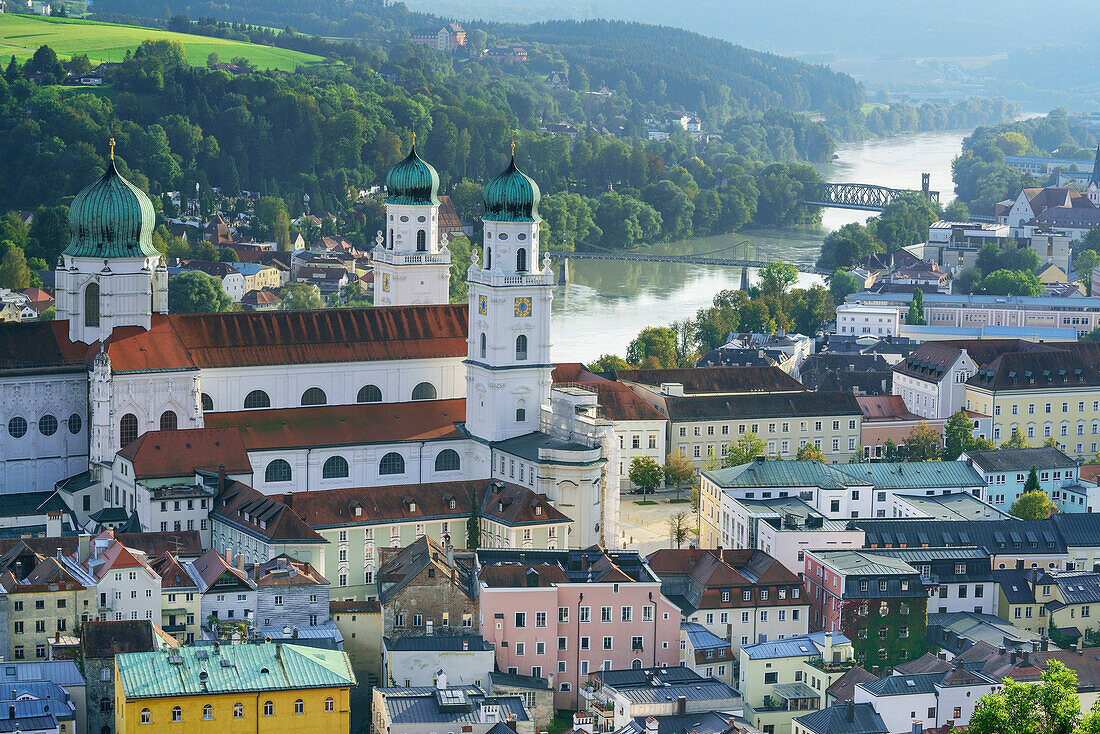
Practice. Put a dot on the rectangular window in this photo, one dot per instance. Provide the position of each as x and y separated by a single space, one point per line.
521 619
605 614
540 619
628 614
563 615
586 614
608 643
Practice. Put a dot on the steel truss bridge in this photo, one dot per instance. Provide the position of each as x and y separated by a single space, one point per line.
866 197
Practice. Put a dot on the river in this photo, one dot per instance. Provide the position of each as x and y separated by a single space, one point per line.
607 302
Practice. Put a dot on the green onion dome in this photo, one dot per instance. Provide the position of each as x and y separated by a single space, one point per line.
412 182
111 218
512 197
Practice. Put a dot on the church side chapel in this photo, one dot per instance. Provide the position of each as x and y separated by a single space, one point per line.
128 411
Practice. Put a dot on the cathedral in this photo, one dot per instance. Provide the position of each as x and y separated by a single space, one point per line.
412 391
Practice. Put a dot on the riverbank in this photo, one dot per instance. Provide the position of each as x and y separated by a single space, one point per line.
608 302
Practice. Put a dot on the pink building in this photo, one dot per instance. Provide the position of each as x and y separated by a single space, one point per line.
562 614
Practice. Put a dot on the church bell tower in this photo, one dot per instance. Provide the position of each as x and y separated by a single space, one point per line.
508 358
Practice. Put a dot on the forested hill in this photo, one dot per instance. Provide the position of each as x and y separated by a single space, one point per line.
649 64
705 72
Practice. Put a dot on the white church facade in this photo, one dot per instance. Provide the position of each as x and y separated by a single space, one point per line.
412 391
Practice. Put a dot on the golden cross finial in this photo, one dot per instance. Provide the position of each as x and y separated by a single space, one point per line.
112 144
513 147
414 138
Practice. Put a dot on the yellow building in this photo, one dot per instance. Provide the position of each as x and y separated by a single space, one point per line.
234 689
257 277
179 599
49 601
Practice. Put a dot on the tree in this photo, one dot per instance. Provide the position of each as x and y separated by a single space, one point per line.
45 61
847 246
956 211
842 284
461 257
607 363
272 221
1050 706
49 232
969 280
678 471
645 473
193 291
466 197
212 59
916 309
777 276
745 449
1012 283
300 297
658 342
922 444
1034 505
958 435
80 64
473 524
14 273
809 452
1032 483
678 528
1083 265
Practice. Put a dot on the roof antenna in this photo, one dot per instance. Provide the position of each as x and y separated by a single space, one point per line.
111 142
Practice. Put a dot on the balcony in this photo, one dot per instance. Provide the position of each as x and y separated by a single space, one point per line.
835 666
174 628
496 278
419 258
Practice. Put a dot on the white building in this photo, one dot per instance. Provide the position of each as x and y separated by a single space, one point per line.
126 585
874 320
932 380
932 700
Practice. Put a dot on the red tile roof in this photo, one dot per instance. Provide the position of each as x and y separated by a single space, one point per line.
884 408
181 453
268 516
574 372
341 425
716 379
172 574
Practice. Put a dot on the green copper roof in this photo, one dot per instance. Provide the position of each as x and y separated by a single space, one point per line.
512 197
413 182
232 668
111 218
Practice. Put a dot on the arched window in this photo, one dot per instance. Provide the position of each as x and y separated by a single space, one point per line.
330 705
636 664
483 345
238 710
177 713
391 238
369 394
168 420
208 712
17 427
424 391
269 708
146 716
299 706
277 471
47 425
447 460
521 348
488 258
314 396
91 305
421 241
75 423
392 463
207 403
521 415
257 399
127 429
335 467
521 260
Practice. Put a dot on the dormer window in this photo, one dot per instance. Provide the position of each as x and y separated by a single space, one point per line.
357 510
451 504
538 510
412 506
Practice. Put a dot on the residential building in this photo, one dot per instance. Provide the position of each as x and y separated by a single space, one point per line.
573 612
127 586
1006 472
44 678
860 374
415 661
1081 534
882 601
1056 600
932 379
446 38
181 613
706 653
928 700
357 523
956 632
41 598
867 320
424 709
538 694
227 598
741 596
783 527
782 679
292 595
424 589
615 698
256 527
100 642
960 575
843 689
954 506
1009 543
848 718
257 276
279 687
925 275
360 624
231 280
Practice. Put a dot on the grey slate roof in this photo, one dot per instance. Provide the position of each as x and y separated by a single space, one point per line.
774 405
834 720
644 677
704 722
1079 529
1014 586
436 643
514 680
903 685
64 673
424 708
709 689
995 536
1020 460
792 647
953 506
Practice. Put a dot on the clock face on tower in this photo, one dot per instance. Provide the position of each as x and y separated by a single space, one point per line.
523 307
482 305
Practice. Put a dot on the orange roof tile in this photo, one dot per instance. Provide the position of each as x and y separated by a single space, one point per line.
181 453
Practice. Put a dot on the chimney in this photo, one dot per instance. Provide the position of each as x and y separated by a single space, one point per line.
827 648
229 556
278 651
441 680
11 711
681 705
1044 644
1025 660
650 725
1014 657
851 713
221 478
1080 645
465 643
288 499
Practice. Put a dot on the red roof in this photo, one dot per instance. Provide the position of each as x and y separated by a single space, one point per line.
339 425
884 408
180 453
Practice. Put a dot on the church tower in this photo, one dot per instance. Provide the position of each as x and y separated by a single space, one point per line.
411 265
1093 190
110 275
508 359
